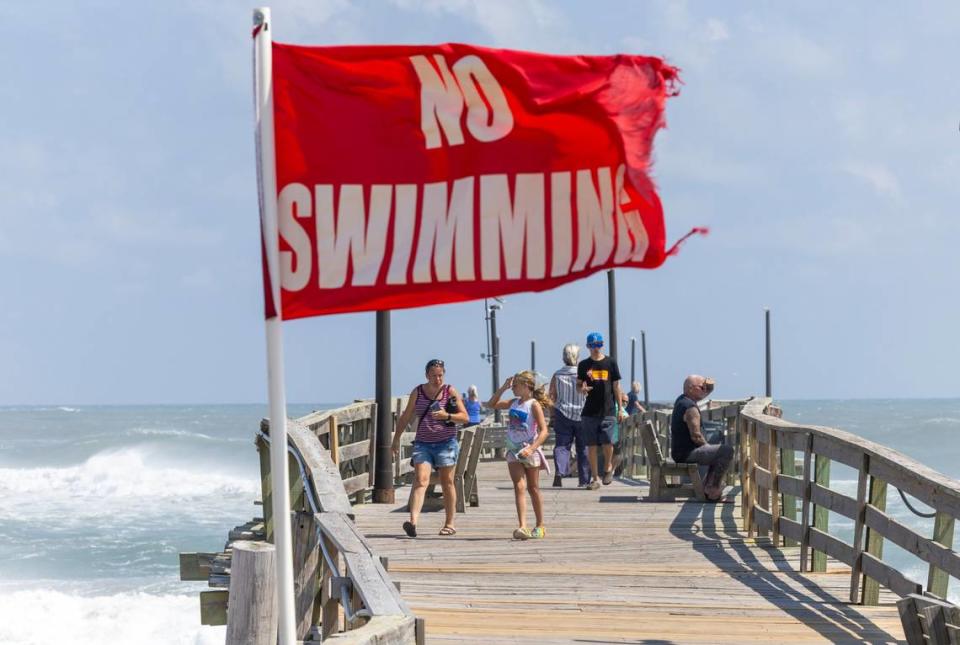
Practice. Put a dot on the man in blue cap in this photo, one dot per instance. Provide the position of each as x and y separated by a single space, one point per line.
599 378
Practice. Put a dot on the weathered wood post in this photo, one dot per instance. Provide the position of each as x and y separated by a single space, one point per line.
788 466
874 540
252 604
821 516
746 476
762 494
774 461
805 505
333 440
857 567
938 579
329 592
306 570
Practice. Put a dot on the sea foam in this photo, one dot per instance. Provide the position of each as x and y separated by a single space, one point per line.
122 473
35 617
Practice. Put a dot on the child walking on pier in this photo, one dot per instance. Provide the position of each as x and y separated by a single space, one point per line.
526 432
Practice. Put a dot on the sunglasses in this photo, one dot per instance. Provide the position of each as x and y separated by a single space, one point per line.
435 363
594 345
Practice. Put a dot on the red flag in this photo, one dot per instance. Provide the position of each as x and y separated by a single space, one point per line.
418 175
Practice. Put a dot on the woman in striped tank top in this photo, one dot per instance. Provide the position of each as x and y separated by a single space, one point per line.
435 444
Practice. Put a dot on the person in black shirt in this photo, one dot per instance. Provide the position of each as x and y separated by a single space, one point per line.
689 445
599 378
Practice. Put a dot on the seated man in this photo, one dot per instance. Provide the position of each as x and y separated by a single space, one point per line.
689 444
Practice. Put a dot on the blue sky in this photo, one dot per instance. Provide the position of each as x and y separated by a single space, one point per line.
818 141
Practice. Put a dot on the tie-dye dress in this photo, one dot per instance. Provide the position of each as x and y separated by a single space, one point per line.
522 431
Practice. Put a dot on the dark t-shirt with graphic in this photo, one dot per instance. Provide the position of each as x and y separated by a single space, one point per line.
600 375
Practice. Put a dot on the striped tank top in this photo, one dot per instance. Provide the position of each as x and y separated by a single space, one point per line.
570 399
430 430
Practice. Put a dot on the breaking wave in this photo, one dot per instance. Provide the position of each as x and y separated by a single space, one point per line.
123 473
123 618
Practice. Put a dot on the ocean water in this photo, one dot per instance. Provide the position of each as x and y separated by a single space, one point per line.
97 501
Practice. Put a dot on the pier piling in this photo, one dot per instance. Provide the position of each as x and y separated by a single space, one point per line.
252 603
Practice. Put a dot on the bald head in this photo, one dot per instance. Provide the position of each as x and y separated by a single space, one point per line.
697 387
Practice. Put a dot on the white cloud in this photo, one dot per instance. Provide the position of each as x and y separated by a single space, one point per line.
878 176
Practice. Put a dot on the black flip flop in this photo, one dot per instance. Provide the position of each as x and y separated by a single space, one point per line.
410 529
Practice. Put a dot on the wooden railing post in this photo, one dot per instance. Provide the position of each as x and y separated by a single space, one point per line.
734 435
857 565
752 475
333 437
252 605
266 488
821 516
937 579
774 461
878 499
329 598
788 466
762 495
743 454
306 570
805 505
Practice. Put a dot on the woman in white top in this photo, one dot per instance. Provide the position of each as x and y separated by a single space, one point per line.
526 432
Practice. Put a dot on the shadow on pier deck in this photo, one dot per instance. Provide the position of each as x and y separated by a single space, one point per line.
613 570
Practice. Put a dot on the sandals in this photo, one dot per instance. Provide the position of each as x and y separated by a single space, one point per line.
522 534
411 529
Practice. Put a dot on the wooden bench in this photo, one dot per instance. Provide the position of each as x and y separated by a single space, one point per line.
927 620
470 473
465 473
660 488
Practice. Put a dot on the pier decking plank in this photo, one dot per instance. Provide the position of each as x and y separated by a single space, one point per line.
613 570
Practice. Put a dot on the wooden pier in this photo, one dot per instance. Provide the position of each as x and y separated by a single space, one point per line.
614 569
618 565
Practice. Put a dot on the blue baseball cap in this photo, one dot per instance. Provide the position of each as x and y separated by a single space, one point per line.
594 339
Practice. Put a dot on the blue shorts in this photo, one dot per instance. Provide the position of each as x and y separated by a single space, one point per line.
598 431
440 454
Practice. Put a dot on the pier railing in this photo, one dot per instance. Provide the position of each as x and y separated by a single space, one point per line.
342 588
343 592
771 496
783 470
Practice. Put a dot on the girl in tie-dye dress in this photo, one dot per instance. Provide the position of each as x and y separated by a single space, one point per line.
526 432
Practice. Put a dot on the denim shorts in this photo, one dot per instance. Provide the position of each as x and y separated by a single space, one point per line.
598 431
440 454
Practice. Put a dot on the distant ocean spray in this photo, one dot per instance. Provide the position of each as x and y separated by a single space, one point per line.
96 503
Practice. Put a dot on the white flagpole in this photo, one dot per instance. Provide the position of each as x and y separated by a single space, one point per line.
279 482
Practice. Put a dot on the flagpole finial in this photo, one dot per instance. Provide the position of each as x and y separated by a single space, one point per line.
261 18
